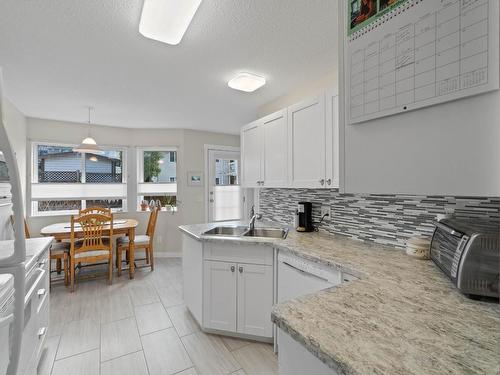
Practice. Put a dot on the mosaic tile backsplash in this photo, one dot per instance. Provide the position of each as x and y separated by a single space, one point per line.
386 219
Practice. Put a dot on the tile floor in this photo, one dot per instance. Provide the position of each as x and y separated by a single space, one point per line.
141 327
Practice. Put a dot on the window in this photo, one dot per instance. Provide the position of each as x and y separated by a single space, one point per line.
64 181
157 177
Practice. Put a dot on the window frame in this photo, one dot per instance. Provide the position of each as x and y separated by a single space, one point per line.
33 181
155 188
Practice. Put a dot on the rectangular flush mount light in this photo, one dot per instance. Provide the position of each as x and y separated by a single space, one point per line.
247 82
167 20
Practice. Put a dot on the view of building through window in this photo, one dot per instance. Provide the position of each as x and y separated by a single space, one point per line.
160 166
226 172
59 164
158 182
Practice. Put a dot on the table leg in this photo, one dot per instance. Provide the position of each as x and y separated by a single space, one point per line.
131 236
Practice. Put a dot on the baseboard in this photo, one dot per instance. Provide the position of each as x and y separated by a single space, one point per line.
159 254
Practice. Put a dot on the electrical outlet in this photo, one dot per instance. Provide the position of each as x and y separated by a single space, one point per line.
325 210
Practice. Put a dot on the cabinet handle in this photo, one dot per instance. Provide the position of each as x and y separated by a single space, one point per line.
233 268
41 292
240 269
322 181
41 332
329 181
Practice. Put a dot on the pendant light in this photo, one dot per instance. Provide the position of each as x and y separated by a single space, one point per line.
89 145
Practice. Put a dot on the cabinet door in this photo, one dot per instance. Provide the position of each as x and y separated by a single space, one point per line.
306 132
255 299
219 297
275 155
332 140
251 155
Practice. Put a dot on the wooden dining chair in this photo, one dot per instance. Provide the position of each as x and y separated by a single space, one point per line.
92 247
141 242
26 228
59 251
95 210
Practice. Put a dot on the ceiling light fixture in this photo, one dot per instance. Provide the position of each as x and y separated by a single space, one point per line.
167 20
247 82
89 145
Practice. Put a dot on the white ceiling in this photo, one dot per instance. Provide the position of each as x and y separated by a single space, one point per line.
59 56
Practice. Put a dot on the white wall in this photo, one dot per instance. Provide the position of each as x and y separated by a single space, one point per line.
15 123
300 93
453 149
190 158
448 149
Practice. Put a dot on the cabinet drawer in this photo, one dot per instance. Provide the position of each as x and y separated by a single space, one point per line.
239 253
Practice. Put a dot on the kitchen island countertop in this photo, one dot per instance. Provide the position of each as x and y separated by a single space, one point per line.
403 316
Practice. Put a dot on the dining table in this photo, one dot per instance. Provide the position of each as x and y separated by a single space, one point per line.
62 231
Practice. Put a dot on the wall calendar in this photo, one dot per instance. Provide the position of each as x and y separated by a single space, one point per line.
408 54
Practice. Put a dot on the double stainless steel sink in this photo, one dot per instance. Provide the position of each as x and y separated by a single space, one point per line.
241 231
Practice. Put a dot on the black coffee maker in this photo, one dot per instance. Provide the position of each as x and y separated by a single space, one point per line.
304 212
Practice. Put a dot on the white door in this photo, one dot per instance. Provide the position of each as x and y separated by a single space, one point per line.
219 297
225 194
255 299
275 155
306 132
251 153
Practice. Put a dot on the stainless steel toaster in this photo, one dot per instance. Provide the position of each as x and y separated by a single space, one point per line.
468 251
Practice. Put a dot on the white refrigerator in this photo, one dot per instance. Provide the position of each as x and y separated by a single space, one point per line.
12 258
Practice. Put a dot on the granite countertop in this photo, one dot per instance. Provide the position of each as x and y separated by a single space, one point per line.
402 317
34 247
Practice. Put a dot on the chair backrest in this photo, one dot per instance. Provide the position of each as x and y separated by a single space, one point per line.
26 228
153 216
95 210
93 226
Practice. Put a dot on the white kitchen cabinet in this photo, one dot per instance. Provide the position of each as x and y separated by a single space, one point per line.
332 149
274 152
219 295
251 155
295 147
238 289
255 298
295 359
192 276
306 143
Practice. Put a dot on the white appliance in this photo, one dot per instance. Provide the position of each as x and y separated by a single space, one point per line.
12 267
298 277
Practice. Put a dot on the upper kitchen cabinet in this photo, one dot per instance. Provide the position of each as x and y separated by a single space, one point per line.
295 147
251 155
332 140
275 138
306 143
264 151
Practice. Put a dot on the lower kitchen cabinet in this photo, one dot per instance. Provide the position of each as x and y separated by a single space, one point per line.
238 298
295 359
219 295
255 299
229 286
